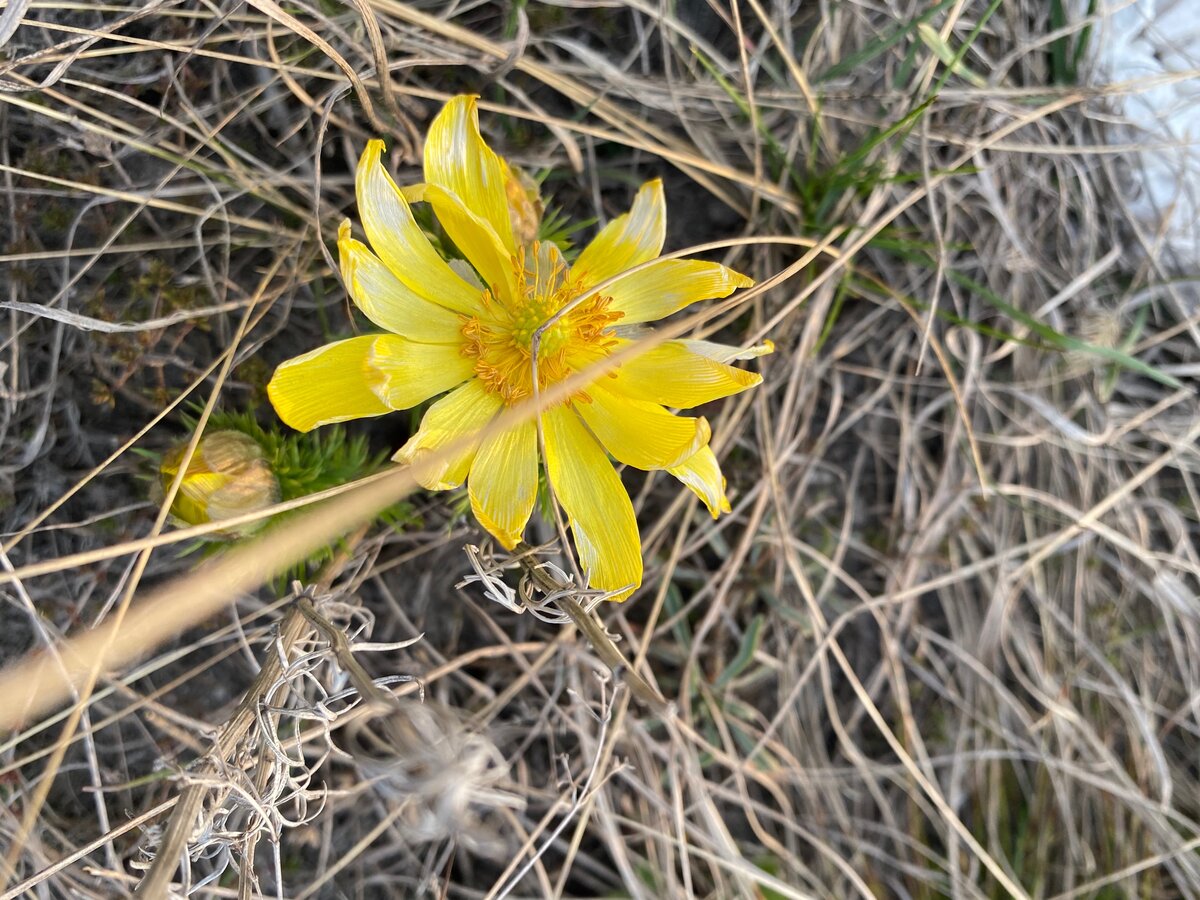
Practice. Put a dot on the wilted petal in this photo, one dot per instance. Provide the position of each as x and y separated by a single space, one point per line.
727 353
525 207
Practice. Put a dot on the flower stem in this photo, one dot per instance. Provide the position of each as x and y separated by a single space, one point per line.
592 628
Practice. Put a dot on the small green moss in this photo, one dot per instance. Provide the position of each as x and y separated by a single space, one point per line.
55 218
255 374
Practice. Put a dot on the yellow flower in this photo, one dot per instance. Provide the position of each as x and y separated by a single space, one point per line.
468 330
227 476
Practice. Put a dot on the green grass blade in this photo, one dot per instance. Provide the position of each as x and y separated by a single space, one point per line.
881 45
746 650
1063 342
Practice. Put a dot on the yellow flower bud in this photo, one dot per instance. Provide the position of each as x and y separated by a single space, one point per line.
228 476
525 206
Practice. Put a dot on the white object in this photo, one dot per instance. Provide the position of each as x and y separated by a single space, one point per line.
1148 53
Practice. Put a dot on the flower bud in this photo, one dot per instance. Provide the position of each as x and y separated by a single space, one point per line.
228 476
525 206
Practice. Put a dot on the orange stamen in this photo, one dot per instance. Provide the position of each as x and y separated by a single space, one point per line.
501 342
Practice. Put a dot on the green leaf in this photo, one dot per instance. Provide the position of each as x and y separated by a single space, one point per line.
881 45
1063 342
749 646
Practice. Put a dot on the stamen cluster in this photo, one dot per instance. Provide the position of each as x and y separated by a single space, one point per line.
501 340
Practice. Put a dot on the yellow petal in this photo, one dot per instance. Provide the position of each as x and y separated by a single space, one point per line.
386 301
411 373
191 501
601 517
461 413
628 240
673 375
702 474
669 285
641 434
463 269
503 483
399 241
726 353
456 158
476 239
413 193
333 383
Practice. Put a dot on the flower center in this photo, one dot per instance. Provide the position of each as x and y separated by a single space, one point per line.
501 341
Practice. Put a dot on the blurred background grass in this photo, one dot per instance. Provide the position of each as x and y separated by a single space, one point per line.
945 646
